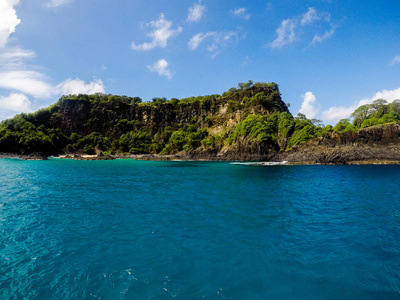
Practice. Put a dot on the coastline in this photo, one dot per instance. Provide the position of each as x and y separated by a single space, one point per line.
33 156
178 157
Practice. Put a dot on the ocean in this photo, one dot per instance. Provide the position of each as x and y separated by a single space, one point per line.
127 229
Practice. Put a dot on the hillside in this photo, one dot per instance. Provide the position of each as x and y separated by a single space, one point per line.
248 123
375 144
239 121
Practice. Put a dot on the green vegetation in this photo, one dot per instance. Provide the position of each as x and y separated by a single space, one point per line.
379 112
251 114
187 138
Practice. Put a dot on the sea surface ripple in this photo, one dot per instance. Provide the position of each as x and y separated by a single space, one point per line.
128 229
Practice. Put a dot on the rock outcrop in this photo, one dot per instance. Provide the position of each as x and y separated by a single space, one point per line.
79 116
249 124
378 143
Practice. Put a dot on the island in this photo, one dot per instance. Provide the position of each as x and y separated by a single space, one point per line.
247 123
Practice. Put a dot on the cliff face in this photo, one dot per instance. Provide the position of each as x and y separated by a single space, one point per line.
240 124
83 118
380 142
250 124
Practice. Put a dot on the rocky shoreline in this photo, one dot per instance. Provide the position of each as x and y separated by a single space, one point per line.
373 145
299 158
33 156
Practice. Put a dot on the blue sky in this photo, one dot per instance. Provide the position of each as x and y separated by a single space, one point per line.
327 56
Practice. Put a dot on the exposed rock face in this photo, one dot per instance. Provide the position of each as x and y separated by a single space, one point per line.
72 114
374 143
210 123
78 116
380 142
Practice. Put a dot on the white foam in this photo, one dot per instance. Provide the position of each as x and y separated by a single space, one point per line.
265 163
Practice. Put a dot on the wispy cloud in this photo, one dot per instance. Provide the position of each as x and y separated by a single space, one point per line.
246 61
196 12
161 68
395 60
319 38
336 113
241 13
197 39
14 57
8 20
28 82
310 16
57 3
290 29
308 106
285 34
162 31
216 41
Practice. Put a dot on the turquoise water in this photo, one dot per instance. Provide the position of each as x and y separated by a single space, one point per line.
128 229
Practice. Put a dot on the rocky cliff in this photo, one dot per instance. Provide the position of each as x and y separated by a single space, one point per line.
373 144
194 127
247 124
85 116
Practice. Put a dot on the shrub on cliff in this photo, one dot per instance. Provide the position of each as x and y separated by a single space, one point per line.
186 138
256 126
136 142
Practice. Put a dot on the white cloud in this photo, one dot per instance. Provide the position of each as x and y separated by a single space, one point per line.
242 13
246 61
15 102
57 3
388 95
196 40
24 81
218 40
13 57
336 113
161 67
319 38
162 31
290 29
28 82
310 16
308 106
16 76
8 20
196 12
395 60
78 86
285 33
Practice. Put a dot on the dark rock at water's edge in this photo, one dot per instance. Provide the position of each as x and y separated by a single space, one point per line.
32 156
10 155
247 124
198 126
377 144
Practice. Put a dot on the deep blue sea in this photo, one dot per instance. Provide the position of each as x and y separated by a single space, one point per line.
127 229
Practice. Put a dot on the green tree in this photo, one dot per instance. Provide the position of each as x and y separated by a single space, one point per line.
341 125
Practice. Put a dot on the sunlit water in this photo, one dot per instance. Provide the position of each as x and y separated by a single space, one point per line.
128 229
